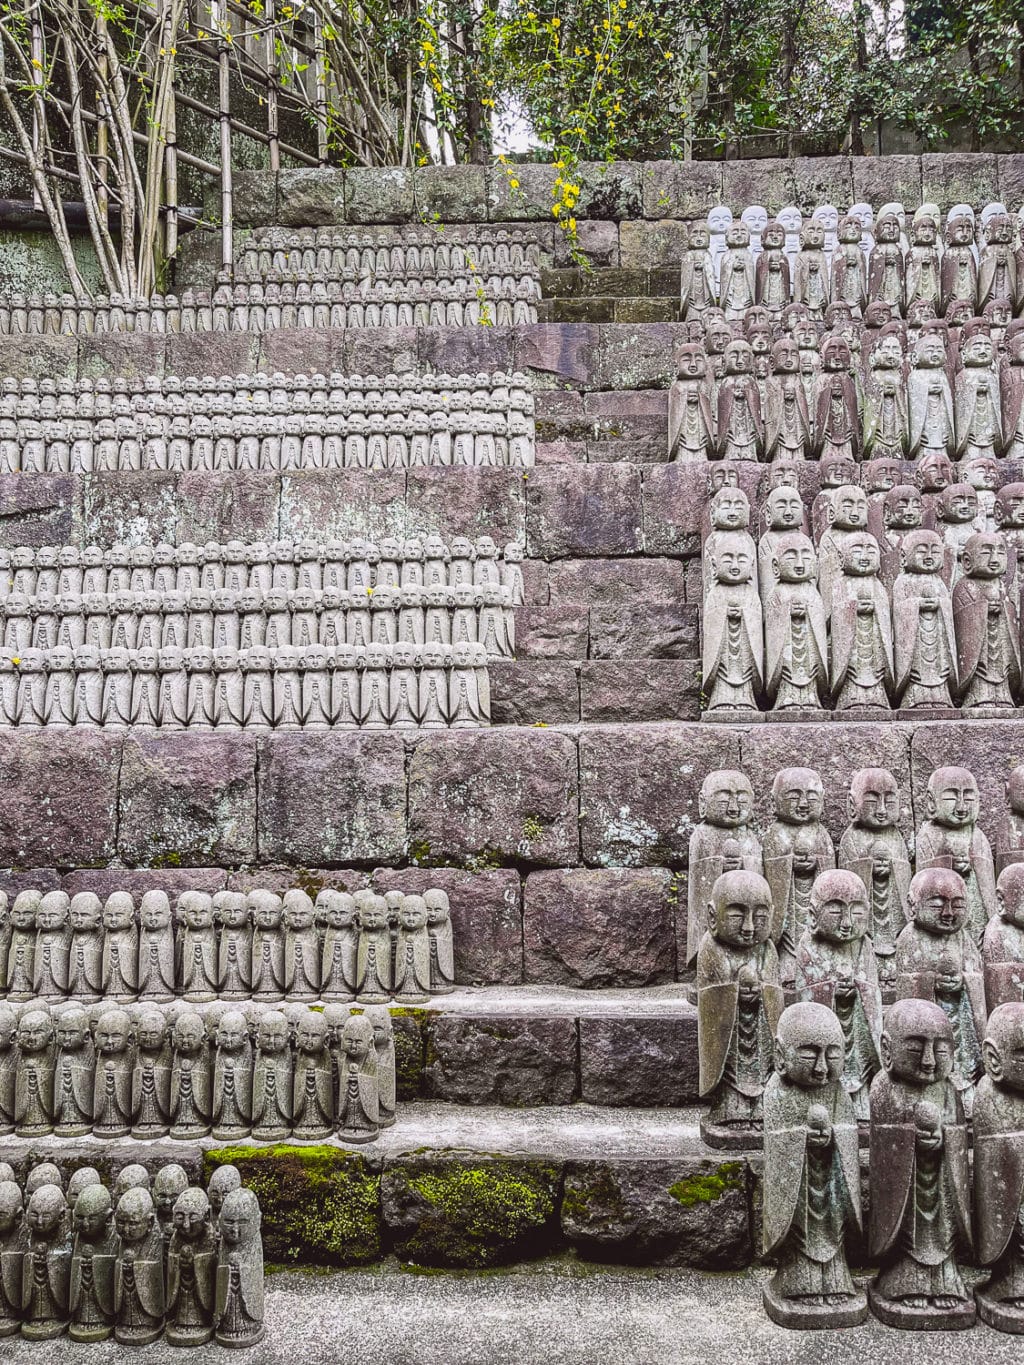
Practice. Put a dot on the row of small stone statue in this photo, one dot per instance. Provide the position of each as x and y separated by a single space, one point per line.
344 566
467 301
827 259
810 402
148 1258
409 251
146 1073
231 945
825 625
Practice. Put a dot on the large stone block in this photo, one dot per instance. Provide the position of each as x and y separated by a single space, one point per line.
562 354
546 632
238 506
29 879
317 505
761 180
58 797
674 496
450 194
452 1210
991 749
187 798
517 1061
593 510
597 241
44 509
310 880
466 350
534 692
104 881
130 508
636 357
815 180
644 630
879 180
681 189
636 690
949 178
379 194
378 350
467 502
302 350
122 354
254 197
686 1213
523 193
640 1060
650 246
43 357
481 797
836 750
600 581
194 355
331 799
487 918
599 928
310 196
639 789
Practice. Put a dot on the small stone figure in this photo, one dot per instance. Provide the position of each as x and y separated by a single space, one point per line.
340 942
919 1177
112 1080
301 948
239 1303
733 650
156 948
835 966
439 929
191 1104
411 980
312 1098
1002 949
739 1001
783 515
120 949
860 617
836 409
73 1076
53 944
93 1255
796 640
979 429
691 422
729 518
358 1103
21 948
740 422
724 841
1010 830
223 1180
797 848
986 624
138 1271
46 1266
847 515
12 1253
169 1182
788 430
384 1042
196 947
232 1079
267 946
234 945
85 962
886 419
151 1076
9 1058
191 1271
999 1171
874 848
373 955
930 401
937 959
812 1176
924 643
33 1086
950 837
272 1080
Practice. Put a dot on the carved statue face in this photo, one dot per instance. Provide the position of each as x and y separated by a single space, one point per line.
790 217
982 473
134 1216
959 503
34 1031
860 556
373 914
740 912
72 1029
888 353
8 1029
45 1210
272 1033
189 1034
86 912
874 799
953 800
231 1031
756 219
23 913
726 799
935 473
903 508
1010 894
191 1215
796 560
154 911
937 901
850 508
112 1033
92 1215
719 219
887 229
413 913
985 557
785 509
809 1051
881 476
739 358
311 1035
151 1031
237 1219
798 797
52 913
690 362
733 562
917 1043
198 911
838 472
730 510
979 352
773 237
839 907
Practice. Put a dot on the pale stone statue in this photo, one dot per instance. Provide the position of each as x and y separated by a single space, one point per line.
697 276
739 1002
384 1043
812 1176
358 1103
151 1075
232 1079
772 275
1002 949
783 514
52 950
796 642
849 267
920 1182
924 265
197 974
156 978
955 516
812 285
797 848
267 946
902 514
950 838
112 1080
937 959
1009 840
932 424
191 1101
846 514
729 518
836 409
412 951
987 628
860 618
739 420
301 947
93 1254
221 1183
234 945
886 268
9 1060
46 1266
724 841
239 1302
73 1075
340 942
788 432
169 1182
439 931
21 948
272 1080
120 948
138 1271
373 956
736 273
733 648
12 1253
977 402
886 419
191 1271
312 1100
33 1085
874 848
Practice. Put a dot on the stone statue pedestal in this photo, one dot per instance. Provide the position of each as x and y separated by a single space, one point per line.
930 1319
732 1137
796 715
875 714
928 713
807 1317
733 715
992 712
999 1314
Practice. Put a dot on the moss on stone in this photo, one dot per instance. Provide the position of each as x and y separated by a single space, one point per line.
475 1215
419 851
707 1186
172 858
321 1205
532 829
600 1195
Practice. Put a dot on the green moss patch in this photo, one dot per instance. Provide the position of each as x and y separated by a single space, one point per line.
321 1206
706 1187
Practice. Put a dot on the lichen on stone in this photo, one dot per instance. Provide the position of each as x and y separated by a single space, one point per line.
706 1187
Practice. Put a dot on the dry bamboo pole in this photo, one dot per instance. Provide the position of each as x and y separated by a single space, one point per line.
102 135
273 77
227 251
320 74
36 58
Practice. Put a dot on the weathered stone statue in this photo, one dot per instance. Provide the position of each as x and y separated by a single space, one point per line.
923 276
373 955
788 431
979 430
221 1183
340 942
862 667
797 847
847 518
740 422
120 949
9 1058
301 947
138 1271
151 1075
384 1044
920 1181
724 841
93 1254
902 512
191 1271
937 959
169 1181
736 277
987 627
999 1170
112 1081
849 267
234 945
358 1101
924 642
733 651
267 946
156 948
836 409
955 516
12 1254
874 848
739 1001
312 1100
782 514
21 948
232 1079
886 269
886 419
33 1086
73 1073
412 951
191 1102
950 837
691 422
772 275
53 945
198 974
729 521
272 1080
812 1176
835 966
930 401
796 640
46 1266
239 1302
1009 841
1002 949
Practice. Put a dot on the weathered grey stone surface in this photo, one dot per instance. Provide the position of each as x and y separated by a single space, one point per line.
500 1060
597 513
58 801
639 1061
44 510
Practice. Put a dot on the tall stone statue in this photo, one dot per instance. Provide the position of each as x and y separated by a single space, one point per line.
697 276
736 279
239 1304
73 1073
999 1170
836 408
860 616
733 650
232 1079
120 948
797 847
93 1253
358 1100
138 1271
739 1002
1002 948
151 1075
33 1085
874 848
846 514
886 420
12 1254
191 1101
191 1271
924 641
85 965
53 945
811 1176
112 1080
796 640
691 421
930 401
725 840
977 403
782 514
46 1266
272 1079
835 966
950 837
312 1100
789 435
937 959
156 978
919 1175
439 932
985 620
739 420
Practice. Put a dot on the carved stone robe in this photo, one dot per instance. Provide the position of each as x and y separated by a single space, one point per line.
924 642
824 970
999 1186
736 1037
862 653
937 846
988 642
791 888
1002 954
796 646
918 955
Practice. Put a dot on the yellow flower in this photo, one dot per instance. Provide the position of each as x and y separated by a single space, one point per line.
16 660
668 56
513 183
556 23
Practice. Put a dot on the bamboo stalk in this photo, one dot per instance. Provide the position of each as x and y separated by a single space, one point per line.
273 80
227 251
